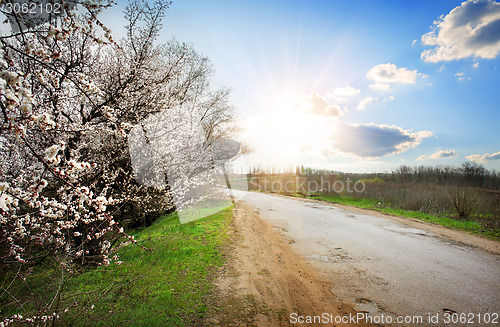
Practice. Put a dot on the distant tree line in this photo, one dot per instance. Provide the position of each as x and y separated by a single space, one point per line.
468 174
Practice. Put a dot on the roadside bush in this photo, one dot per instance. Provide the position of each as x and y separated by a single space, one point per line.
464 200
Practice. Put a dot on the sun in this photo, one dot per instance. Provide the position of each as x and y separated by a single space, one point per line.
284 129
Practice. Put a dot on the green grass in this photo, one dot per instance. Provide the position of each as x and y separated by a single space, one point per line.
373 204
165 287
203 209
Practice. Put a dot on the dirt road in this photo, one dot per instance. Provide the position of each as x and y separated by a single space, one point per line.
384 265
265 283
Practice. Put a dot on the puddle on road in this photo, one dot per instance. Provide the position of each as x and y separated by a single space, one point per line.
323 258
333 258
370 307
406 230
365 305
318 206
312 206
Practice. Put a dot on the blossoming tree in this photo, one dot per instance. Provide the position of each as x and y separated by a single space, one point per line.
69 97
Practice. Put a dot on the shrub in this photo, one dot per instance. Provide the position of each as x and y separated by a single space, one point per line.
464 201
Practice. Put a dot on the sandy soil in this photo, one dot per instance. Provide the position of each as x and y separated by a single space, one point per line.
264 281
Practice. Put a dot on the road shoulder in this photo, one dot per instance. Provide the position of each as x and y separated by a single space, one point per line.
264 281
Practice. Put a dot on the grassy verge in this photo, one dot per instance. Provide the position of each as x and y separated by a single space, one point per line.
471 226
165 287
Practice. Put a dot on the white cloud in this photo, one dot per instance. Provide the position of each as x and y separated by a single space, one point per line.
363 103
440 154
475 65
306 148
380 86
385 74
374 141
471 29
460 76
328 152
317 105
389 98
342 93
413 43
478 158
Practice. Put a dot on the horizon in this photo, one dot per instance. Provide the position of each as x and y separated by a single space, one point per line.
270 169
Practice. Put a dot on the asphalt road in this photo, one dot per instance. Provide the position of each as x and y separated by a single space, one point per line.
383 266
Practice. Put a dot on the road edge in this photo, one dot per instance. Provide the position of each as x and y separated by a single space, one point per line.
453 235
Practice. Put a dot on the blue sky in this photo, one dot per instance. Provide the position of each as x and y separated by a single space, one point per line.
353 86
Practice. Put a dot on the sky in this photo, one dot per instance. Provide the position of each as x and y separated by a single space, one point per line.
355 86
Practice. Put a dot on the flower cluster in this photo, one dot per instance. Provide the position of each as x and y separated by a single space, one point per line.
53 196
